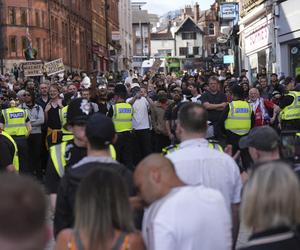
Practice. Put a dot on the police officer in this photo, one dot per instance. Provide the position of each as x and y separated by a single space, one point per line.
290 108
121 114
15 122
9 159
69 152
67 135
236 121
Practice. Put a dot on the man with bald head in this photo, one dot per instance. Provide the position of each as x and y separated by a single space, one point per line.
177 216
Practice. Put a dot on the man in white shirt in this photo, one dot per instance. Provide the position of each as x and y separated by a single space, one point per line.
140 122
180 217
195 163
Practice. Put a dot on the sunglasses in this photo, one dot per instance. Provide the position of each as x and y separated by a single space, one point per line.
26 95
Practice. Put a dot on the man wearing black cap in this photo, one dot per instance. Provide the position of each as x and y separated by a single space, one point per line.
100 134
70 152
121 114
236 121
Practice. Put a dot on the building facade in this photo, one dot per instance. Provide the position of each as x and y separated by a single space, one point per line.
15 18
257 37
287 27
141 29
100 53
125 20
57 29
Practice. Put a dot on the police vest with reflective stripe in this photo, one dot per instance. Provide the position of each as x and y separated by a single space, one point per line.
16 157
239 117
57 154
173 148
15 121
292 112
122 117
67 135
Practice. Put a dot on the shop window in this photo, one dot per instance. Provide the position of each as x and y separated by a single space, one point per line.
12 15
211 29
24 17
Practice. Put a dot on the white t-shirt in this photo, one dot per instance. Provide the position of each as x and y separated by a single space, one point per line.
188 218
140 119
196 163
196 99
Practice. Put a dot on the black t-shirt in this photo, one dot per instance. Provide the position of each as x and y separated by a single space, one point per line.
7 152
171 114
64 212
73 155
218 98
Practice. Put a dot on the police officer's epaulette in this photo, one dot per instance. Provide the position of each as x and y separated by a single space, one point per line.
169 149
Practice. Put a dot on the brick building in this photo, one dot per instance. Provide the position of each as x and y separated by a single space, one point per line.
58 29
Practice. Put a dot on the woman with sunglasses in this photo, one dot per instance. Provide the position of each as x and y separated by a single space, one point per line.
36 116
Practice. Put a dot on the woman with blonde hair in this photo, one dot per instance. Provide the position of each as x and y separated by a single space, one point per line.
103 217
271 208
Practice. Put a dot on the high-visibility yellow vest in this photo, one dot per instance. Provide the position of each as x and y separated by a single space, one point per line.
291 112
67 135
57 154
173 148
122 117
15 121
239 117
16 157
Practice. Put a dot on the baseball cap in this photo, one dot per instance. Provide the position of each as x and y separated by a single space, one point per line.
79 110
263 138
101 128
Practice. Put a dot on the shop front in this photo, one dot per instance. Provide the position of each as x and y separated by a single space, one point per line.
258 47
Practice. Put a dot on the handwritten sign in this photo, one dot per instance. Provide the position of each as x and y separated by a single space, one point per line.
54 67
33 68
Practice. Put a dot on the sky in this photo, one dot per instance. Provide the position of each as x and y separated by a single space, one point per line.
161 7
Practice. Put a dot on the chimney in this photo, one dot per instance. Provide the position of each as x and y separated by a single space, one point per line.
196 12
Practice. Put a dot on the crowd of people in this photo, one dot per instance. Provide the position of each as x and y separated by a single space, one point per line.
182 162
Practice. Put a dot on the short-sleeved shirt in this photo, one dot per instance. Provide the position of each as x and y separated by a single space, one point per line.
218 98
195 163
140 119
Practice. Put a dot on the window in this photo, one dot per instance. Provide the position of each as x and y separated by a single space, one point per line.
137 32
37 19
213 48
23 17
196 50
13 44
189 36
24 42
38 45
43 19
183 51
12 15
211 29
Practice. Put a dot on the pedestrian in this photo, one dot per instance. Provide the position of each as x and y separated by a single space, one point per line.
52 116
235 122
15 122
196 163
271 208
103 216
9 160
140 123
214 101
68 153
100 133
122 115
23 223
34 140
179 216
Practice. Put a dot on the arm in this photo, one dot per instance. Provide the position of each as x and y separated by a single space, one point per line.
221 122
29 128
218 107
235 223
132 100
40 119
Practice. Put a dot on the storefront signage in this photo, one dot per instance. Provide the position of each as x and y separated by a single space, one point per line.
228 59
257 38
249 4
228 11
54 67
115 35
33 68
